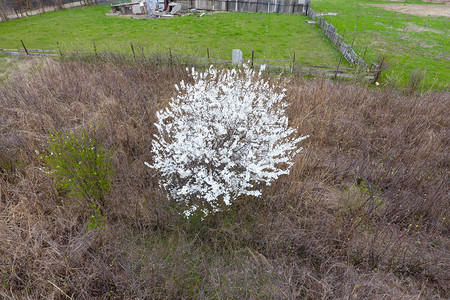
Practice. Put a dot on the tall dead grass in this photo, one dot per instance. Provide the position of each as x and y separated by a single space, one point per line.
364 213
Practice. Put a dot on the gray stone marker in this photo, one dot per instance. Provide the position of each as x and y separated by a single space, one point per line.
237 57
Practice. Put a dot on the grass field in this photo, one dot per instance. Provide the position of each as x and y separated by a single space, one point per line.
272 36
415 47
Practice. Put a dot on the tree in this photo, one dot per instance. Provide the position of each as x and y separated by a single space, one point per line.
4 14
223 136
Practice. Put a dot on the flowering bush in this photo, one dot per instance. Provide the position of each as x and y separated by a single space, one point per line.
222 137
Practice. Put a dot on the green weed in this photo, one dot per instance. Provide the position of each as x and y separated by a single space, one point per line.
82 166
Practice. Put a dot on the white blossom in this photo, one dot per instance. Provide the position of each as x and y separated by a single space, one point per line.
221 137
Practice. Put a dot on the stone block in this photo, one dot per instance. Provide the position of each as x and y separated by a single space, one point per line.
236 57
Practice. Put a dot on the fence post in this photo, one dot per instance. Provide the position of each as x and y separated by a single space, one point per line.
60 51
392 22
253 56
337 69
357 17
364 55
25 48
405 29
377 75
293 63
207 51
132 50
95 48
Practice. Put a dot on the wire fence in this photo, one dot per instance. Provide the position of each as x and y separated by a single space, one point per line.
137 55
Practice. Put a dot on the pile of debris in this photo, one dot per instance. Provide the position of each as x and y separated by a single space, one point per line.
147 8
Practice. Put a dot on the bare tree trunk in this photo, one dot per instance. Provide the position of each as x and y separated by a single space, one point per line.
28 6
41 2
3 13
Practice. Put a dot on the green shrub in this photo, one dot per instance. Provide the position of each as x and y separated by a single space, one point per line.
81 166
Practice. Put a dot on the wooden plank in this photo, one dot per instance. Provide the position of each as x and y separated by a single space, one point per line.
30 50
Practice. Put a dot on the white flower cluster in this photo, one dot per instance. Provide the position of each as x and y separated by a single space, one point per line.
222 137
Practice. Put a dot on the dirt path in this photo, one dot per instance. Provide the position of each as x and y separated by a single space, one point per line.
39 11
421 10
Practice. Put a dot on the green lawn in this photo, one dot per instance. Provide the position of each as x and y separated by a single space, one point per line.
411 44
272 36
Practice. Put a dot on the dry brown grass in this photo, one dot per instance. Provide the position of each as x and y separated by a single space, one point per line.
363 215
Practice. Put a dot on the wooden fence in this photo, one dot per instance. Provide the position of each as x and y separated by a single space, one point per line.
268 6
337 40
